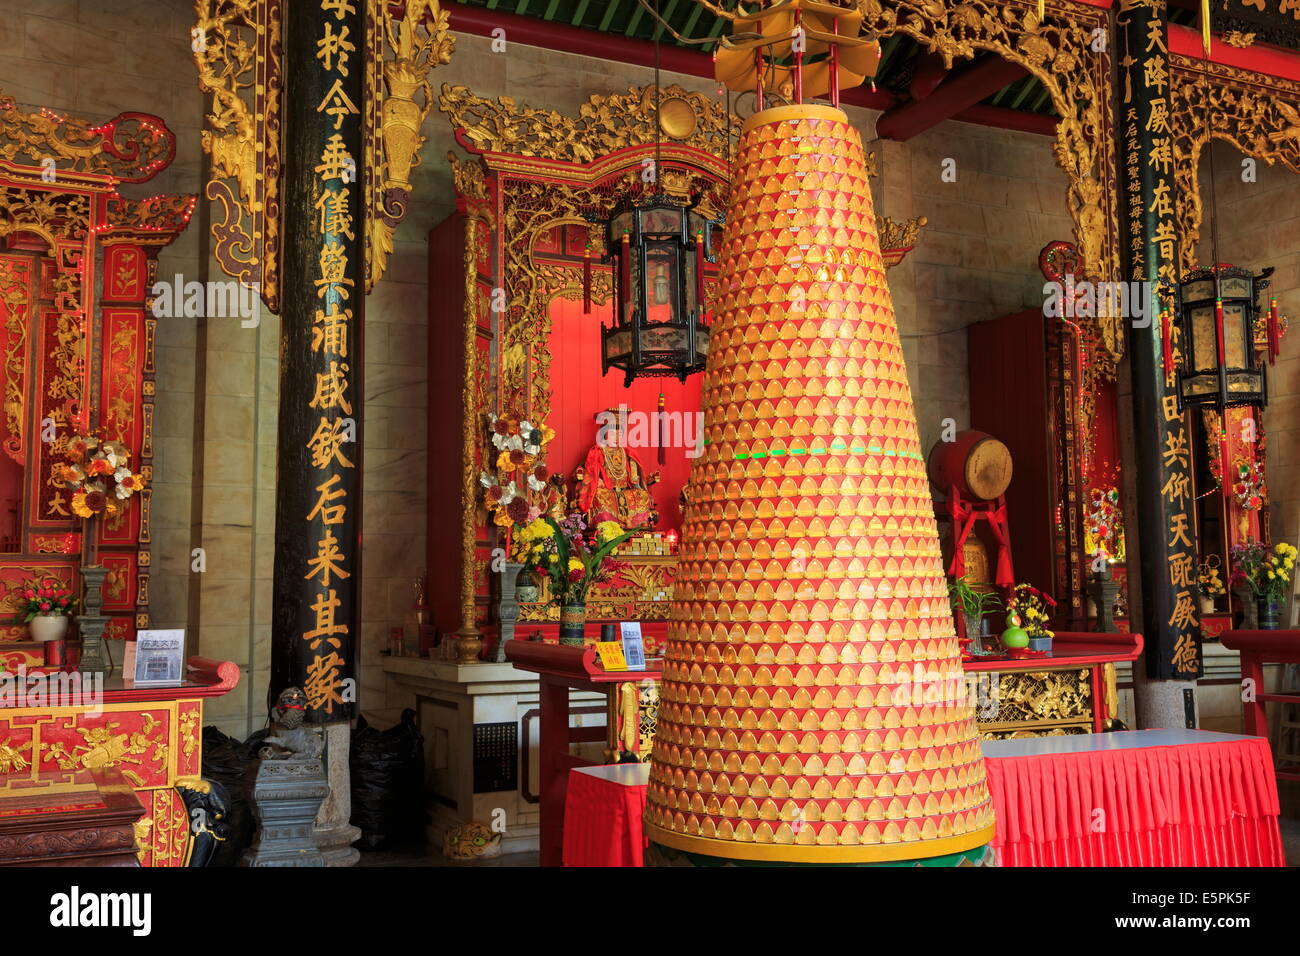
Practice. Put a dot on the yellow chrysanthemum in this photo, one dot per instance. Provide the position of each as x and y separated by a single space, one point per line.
575 564
607 530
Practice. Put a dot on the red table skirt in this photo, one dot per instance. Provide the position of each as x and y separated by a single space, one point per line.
1206 804
1210 804
602 822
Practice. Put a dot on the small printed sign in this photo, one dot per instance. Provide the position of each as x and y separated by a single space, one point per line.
159 658
611 655
633 645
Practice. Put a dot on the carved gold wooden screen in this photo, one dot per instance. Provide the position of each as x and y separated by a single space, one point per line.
77 265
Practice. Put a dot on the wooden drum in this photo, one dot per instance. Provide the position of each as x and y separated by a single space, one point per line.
975 463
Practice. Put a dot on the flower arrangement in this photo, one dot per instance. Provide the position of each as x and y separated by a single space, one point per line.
1032 606
1208 580
45 599
1249 488
1275 571
98 474
572 555
516 483
1246 559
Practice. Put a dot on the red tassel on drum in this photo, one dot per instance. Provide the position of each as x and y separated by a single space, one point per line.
586 283
1274 334
1166 342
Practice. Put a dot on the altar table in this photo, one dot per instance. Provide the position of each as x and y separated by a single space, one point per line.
1134 798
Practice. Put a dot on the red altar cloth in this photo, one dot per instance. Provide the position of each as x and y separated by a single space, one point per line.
602 816
1135 798
1209 800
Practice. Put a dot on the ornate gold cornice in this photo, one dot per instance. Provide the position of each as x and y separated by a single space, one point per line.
155 221
604 124
897 238
1256 113
1058 51
131 147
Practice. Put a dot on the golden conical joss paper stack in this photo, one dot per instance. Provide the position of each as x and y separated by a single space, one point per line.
813 707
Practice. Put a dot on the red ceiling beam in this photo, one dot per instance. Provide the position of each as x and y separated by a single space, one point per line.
1257 58
962 90
927 76
1003 118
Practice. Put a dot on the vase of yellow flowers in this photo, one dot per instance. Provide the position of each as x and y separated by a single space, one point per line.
1273 582
572 556
1032 607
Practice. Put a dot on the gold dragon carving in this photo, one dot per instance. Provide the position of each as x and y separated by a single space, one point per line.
1058 51
604 124
129 147
1258 114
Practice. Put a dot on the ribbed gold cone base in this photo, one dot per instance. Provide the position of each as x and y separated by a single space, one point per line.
813 706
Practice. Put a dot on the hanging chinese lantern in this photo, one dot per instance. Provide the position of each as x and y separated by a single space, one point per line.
1217 312
658 248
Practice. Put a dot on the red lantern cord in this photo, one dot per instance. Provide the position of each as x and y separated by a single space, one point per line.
1225 480
1218 328
625 265
586 283
1274 336
699 271
1166 342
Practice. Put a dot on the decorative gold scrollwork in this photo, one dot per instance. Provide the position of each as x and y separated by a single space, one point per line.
1256 113
130 147
402 52
604 124
236 46
1058 52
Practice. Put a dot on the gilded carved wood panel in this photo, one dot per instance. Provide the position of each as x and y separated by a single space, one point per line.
1256 113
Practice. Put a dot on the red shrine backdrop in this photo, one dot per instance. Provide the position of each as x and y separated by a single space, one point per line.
579 392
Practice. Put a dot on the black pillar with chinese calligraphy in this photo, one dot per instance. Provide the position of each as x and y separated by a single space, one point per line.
1166 522
318 474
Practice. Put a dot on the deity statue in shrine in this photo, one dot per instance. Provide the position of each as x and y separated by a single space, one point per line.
612 484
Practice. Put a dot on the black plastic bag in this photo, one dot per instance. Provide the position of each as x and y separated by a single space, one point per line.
387 768
226 760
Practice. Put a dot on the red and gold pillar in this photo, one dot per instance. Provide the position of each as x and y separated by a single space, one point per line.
813 705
